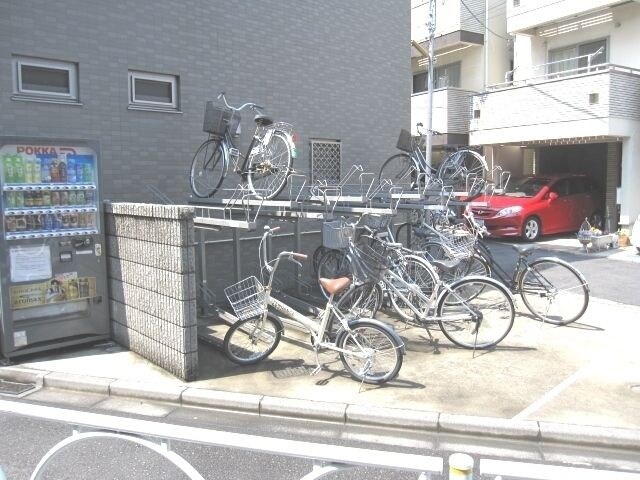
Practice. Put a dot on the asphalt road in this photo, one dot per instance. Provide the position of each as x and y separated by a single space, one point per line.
615 280
24 441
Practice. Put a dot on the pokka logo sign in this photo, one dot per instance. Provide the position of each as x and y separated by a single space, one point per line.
44 150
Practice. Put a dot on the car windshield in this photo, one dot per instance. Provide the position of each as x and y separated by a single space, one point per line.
526 187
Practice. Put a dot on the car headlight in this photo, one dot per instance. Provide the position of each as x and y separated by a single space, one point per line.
509 211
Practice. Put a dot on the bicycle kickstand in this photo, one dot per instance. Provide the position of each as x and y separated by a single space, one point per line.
434 341
318 367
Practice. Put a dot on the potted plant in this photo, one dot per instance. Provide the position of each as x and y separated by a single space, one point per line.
623 237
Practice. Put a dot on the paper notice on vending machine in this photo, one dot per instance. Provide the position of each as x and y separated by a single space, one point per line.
30 263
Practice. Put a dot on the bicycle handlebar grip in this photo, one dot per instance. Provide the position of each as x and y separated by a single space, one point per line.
300 256
274 229
259 107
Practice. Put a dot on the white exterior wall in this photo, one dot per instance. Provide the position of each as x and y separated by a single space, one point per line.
532 13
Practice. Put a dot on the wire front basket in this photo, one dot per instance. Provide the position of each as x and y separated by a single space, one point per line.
247 298
376 221
337 234
458 241
405 142
370 265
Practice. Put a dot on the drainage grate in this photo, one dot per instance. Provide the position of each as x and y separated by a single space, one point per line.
14 388
291 372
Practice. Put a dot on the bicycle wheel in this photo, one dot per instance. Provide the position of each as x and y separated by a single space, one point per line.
401 170
249 341
374 355
362 301
318 253
407 237
479 322
418 281
269 169
554 291
460 167
208 168
333 264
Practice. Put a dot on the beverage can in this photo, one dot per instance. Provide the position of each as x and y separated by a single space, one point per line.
64 198
28 199
55 221
46 199
65 220
46 170
73 220
80 198
10 200
55 199
21 223
47 223
91 220
10 224
73 200
36 199
37 223
89 198
29 167
19 199
31 223
82 220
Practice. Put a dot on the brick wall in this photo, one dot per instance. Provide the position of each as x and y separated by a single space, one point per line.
152 283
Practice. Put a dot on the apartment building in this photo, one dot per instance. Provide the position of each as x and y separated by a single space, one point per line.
135 75
572 101
467 57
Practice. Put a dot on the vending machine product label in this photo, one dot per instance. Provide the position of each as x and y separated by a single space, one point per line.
30 263
65 287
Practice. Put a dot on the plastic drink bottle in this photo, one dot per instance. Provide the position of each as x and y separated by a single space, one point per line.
71 169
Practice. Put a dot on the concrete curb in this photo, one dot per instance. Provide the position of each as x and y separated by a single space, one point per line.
348 414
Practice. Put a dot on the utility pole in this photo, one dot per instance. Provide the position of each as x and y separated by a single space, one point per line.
431 29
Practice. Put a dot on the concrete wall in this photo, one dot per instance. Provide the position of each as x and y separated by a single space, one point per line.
334 69
152 283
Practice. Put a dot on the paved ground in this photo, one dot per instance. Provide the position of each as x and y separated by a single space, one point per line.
585 374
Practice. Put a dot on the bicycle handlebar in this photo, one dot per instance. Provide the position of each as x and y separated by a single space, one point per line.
251 105
422 131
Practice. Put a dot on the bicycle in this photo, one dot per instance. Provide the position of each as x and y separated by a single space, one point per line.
266 164
552 290
474 312
369 349
462 169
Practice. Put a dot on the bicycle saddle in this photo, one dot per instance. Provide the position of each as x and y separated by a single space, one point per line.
335 285
263 120
524 249
446 265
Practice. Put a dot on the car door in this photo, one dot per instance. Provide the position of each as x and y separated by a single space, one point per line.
558 213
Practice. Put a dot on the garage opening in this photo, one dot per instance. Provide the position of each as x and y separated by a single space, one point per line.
601 161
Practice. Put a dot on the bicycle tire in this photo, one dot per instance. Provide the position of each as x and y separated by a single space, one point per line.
318 253
402 236
363 300
414 271
245 345
333 264
539 288
458 165
385 353
208 168
486 331
274 163
400 169
474 265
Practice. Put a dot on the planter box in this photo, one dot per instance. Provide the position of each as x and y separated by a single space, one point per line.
598 242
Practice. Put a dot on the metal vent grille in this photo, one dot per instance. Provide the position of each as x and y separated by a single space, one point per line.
326 156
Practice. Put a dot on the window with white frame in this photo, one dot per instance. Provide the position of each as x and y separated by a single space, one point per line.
153 91
43 79
576 58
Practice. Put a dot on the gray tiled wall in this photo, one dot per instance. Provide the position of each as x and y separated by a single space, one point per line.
334 69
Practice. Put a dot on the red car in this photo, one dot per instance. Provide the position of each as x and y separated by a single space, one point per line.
541 204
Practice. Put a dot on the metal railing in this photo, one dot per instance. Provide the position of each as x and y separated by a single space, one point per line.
596 68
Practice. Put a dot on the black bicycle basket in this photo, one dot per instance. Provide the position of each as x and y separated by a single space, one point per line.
371 264
405 141
216 119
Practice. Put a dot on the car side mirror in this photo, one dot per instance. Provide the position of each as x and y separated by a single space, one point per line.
553 196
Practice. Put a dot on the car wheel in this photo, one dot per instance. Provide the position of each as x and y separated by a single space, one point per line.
531 229
597 220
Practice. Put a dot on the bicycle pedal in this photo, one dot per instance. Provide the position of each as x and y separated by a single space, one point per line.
316 371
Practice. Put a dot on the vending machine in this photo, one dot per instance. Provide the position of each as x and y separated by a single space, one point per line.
53 264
